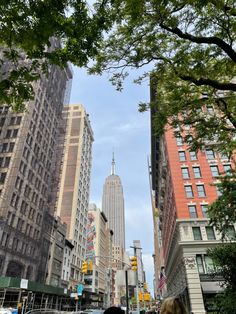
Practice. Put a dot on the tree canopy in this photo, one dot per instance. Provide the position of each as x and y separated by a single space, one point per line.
190 46
26 30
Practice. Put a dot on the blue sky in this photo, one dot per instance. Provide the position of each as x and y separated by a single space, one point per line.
118 126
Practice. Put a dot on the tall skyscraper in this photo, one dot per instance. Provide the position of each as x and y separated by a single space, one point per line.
27 146
183 183
113 206
73 195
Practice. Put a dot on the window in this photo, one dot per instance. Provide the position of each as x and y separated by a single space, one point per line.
179 141
192 211
210 233
189 138
197 172
210 154
185 173
218 190
2 121
18 120
209 265
14 133
182 156
230 233
193 155
214 171
200 264
201 190
227 168
8 134
7 161
224 156
210 109
188 190
4 147
197 233
204 210
11 147
2 177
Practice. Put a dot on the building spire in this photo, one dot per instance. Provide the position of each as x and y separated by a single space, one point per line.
113 164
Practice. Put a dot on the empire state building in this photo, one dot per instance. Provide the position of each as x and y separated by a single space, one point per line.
113 206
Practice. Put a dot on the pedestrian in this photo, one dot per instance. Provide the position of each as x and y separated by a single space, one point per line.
114 310
173 306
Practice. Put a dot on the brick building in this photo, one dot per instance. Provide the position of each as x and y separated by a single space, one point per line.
183 186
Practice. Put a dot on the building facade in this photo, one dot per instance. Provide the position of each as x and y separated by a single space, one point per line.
113 206
73 193
66 266
55 257
183 184
28 143
99 240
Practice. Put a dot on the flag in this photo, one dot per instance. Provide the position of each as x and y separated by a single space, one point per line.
162 281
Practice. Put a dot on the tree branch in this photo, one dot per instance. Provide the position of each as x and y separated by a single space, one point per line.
203 40
227 111
209 82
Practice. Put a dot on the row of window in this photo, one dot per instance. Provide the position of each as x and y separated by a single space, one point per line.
200 189
210 154
7 147
193 210
24 227
24 207
197 171
17 245
197 234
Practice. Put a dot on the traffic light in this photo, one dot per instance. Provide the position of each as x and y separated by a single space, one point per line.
147 297
84 268
140 296
90 265
145 286
133 262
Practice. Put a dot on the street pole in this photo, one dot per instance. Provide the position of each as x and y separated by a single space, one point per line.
127 291
137 288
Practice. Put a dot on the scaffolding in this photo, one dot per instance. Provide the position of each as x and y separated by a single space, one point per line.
37 296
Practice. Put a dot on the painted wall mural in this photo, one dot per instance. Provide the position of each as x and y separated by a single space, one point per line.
91 235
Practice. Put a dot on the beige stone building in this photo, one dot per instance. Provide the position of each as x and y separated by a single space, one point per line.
73 192
27 146
99 251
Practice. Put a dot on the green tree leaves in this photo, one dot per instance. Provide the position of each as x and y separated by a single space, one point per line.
34 34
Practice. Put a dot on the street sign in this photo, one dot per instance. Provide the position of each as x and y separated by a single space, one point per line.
80 289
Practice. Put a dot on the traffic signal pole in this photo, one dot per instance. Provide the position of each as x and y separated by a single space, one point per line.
137 287
127 291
